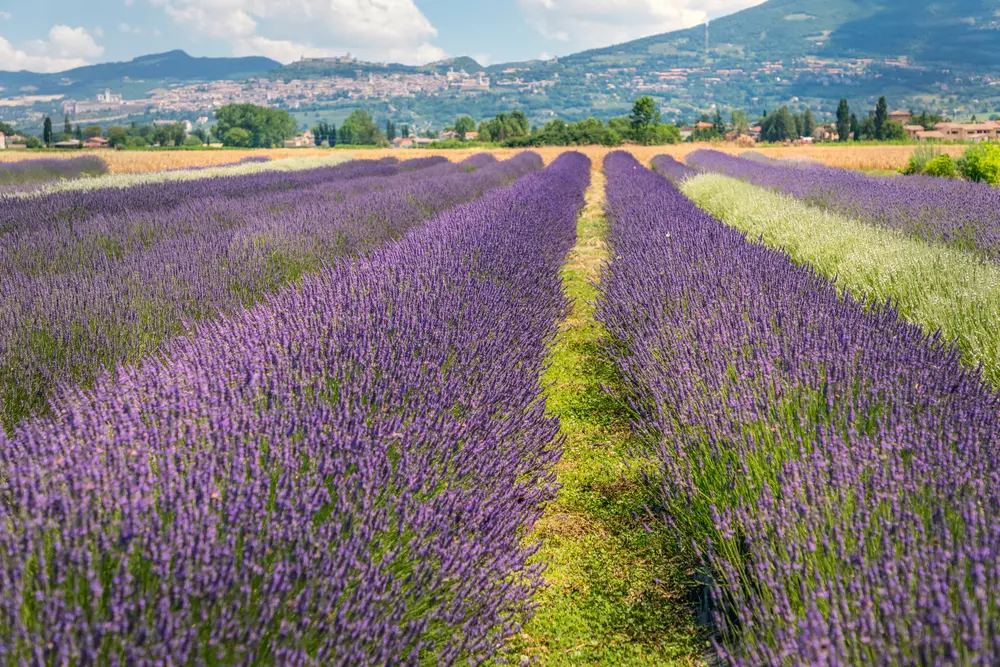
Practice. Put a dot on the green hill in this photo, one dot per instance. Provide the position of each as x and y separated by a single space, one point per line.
960 33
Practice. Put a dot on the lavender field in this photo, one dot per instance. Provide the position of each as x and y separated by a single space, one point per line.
423 412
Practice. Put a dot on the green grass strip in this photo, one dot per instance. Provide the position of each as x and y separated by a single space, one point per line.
615 595
934 286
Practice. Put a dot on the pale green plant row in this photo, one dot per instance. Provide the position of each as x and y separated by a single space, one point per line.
130 180
934 286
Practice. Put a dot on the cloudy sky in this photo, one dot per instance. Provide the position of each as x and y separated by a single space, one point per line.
53 35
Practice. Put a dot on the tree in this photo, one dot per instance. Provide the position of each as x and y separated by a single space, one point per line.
325 132
238 137
201 134
464 125
779 126
881 116
117 136
927 120
7 129
642 119
405 131
359 129
855 128
266 127
893 130
808 123
67 126
868 129
390 130
93 131
741 124
664 134
843 120
717 123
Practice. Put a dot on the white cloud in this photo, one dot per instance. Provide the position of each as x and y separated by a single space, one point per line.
393 30
6 16
65 48
124 27
595 23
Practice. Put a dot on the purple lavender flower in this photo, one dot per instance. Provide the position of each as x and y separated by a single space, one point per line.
85 290
836 470
344 474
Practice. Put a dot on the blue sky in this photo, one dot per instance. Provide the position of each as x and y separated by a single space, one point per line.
52 35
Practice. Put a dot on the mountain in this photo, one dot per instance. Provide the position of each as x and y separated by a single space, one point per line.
466 63
961 33
153 70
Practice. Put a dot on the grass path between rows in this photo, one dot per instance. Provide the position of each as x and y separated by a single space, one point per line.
937 287
614 594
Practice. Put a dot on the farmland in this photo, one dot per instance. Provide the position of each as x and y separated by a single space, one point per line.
655 406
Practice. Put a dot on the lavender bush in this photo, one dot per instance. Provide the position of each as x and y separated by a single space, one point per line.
964 214
672 169
835 469
65 208
342 475
51 169
81 295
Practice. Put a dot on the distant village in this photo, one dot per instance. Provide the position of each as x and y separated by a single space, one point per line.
199 101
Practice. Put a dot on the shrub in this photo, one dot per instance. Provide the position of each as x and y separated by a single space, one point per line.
942 166
981 164
918 161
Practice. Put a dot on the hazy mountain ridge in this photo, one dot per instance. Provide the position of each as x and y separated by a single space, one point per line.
170 66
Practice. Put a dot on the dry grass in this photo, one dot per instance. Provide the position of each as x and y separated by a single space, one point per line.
848 157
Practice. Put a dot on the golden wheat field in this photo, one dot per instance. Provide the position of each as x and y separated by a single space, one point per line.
848 157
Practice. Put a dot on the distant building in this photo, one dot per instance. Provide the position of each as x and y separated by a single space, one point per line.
96 142
73 143
988 131
106 101
3 142
304 140
901 117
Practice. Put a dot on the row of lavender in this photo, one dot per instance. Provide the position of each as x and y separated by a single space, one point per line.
342 475
935 209
836 470
50 169
62 208
84 294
